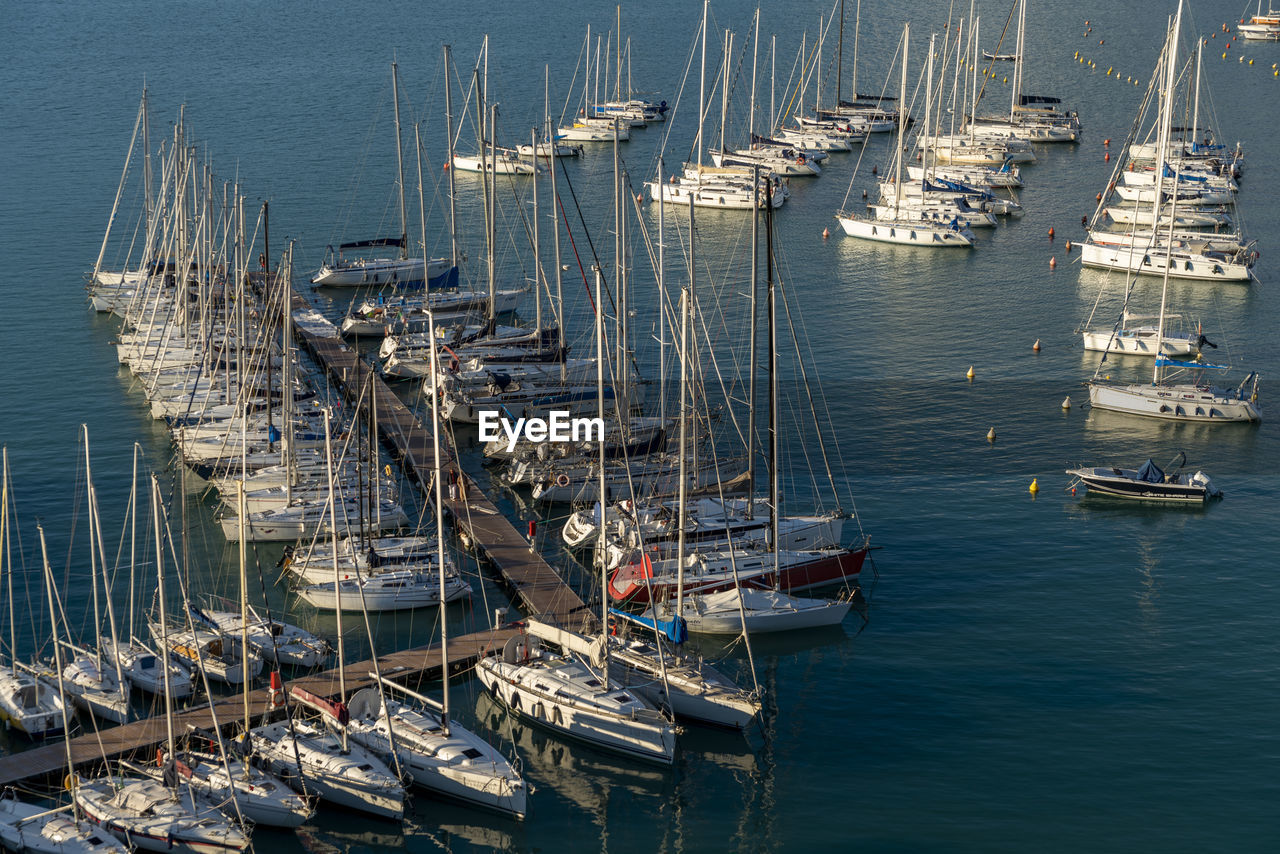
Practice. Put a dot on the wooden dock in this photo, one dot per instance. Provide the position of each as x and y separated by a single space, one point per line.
535 585
140 739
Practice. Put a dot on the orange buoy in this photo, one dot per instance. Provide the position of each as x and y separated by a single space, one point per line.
1068 246
1051 233
1036 346
1106 142
1107 157
1099 197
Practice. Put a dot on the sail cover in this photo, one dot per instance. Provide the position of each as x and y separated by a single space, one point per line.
1150 473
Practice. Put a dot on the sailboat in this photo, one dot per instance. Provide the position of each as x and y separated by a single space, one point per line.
890 223
363 270
572 690
1035 118
317 757
26 703
748 596
1195 401
416 732
150 814
28 828
1261 27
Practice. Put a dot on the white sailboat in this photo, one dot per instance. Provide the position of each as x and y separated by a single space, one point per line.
26 704
364 270
149 814
1195 401
29 829
888 224
572 691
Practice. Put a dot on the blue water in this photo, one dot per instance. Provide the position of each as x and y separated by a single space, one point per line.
1046 674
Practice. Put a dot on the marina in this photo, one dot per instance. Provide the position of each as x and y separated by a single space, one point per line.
843 483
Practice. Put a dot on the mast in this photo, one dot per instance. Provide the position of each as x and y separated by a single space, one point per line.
901 140
751 357
492 224
724 90
928 114
337 575
164 621
57 665
404 232
839 54
751 114
1166 121
683 461
439 477
537 238
1195 115
774 472
603 495
453 211
1017 60
8 555
686 297
857 28
148 201
138 124
702 89
93 558
662 307
555 219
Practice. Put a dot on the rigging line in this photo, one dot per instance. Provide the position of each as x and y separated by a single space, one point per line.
991 64
804 375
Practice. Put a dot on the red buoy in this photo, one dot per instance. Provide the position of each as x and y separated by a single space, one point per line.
1051 234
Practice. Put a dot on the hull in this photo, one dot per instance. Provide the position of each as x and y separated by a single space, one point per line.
1112 483
906 233
407 272
651 741
1174 403
1140 341
628 583
1180 266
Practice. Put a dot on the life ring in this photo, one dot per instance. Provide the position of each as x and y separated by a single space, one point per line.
800 160
562 480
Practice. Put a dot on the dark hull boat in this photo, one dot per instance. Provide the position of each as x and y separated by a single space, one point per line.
1149 482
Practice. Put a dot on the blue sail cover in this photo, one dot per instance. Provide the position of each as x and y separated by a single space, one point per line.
1165 361
674 630
1150 473
1199 179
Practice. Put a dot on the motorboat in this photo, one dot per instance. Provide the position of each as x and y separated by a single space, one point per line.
1148 482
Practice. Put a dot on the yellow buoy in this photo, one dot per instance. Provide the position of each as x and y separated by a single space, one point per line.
1034 487
1006 80
1109 74
970 373
1066 402
1251 62
991 435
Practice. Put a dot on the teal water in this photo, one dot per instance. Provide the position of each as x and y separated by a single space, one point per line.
1044 674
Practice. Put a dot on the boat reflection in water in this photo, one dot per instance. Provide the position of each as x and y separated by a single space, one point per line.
588 777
